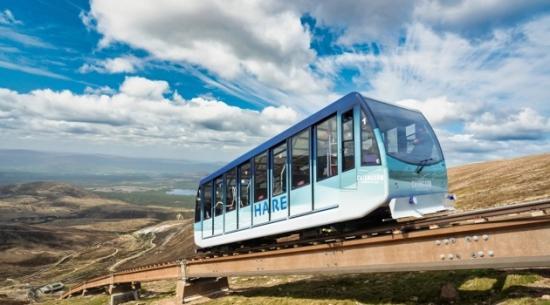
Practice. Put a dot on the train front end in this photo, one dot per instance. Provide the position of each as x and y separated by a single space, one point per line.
417 174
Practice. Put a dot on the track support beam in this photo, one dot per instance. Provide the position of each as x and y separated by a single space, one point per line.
509 237
188 290
517 244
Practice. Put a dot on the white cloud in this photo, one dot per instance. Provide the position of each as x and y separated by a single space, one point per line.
139 115
260 42
24 39
474 18
31 70
122 64
385 21
488 96
6 17
261 51
475 65
144 88
508 70
466 148
440 110
87 20
525 125
362 21
99 90
260 47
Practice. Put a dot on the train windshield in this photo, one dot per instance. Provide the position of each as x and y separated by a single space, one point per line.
407 134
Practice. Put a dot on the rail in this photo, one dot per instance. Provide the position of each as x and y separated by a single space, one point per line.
513 236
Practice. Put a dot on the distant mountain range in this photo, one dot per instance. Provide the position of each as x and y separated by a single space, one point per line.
29 165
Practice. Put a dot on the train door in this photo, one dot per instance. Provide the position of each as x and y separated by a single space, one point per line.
327 184
260 208
300 178
279 173
348 134
218 205
245 189
207 211
197 226
230 222
370 173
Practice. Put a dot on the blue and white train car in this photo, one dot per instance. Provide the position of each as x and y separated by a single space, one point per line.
339 164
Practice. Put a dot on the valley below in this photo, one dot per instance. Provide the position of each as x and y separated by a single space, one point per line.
56 232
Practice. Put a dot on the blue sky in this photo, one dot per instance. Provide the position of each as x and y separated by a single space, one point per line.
211 79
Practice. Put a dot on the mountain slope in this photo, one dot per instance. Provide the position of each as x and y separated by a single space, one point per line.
501 182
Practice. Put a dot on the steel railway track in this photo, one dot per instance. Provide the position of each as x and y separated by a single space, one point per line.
493 215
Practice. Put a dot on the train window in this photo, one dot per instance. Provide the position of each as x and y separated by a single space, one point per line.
369 148
231 190
300 159
198 206
218 208
406 134
327 149
207 212
348 147
260 177
244 174
278 185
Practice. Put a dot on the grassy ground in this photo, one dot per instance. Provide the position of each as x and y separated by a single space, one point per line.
87 300
474 287
482 287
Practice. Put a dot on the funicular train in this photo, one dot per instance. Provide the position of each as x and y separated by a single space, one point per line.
350 160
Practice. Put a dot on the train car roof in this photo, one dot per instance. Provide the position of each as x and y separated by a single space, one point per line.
344 103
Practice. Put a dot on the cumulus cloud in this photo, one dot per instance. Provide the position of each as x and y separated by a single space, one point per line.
256 44
262 51
139 113
99 90
497 135
526 125
470 64
466 148
487 96
362 21
122 64
440 110
386 21
448 76
144 88
475 18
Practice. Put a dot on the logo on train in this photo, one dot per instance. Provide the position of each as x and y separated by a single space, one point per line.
277 204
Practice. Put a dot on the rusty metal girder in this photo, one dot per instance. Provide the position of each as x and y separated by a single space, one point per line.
522 243
519 242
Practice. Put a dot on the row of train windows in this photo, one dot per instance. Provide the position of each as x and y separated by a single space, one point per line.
326 157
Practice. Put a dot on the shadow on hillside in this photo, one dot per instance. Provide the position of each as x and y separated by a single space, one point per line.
473 286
